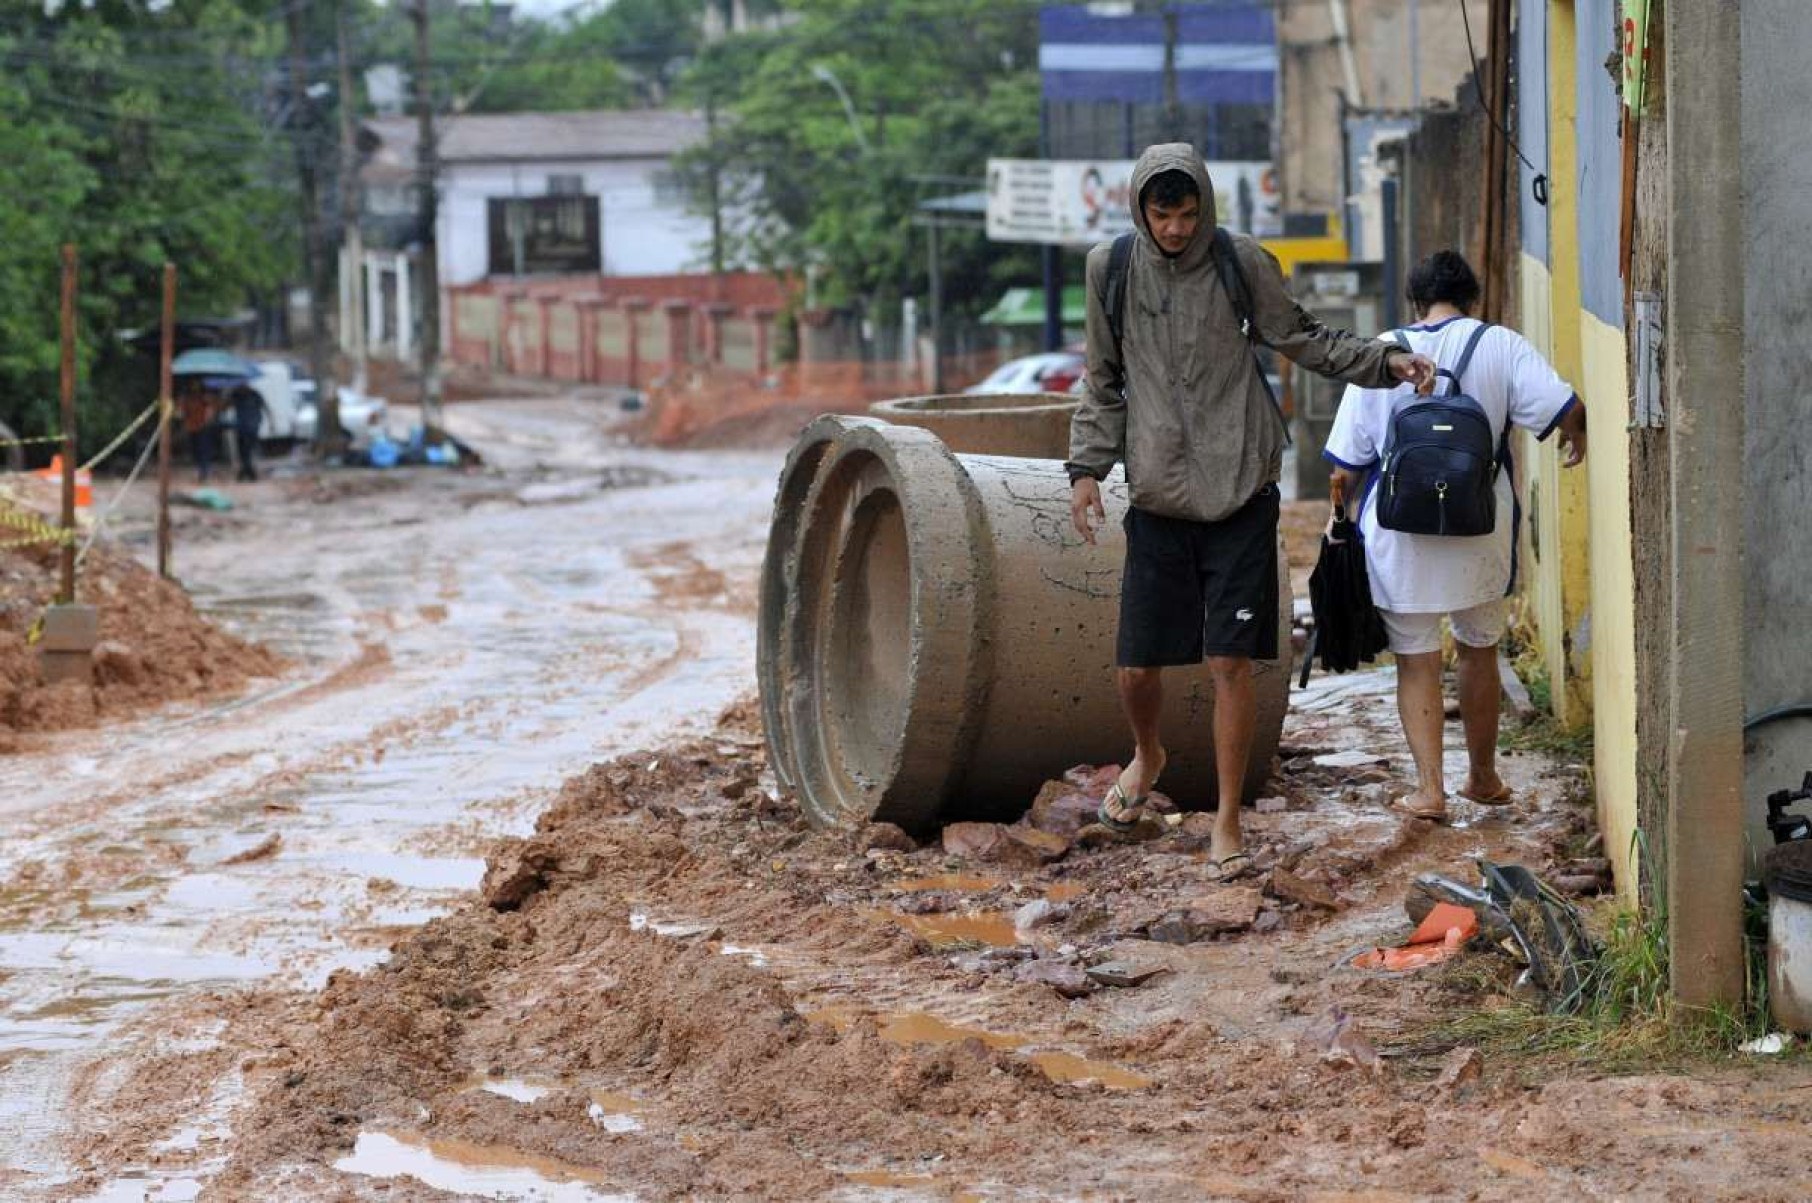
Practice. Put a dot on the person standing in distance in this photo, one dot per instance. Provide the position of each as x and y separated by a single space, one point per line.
1178 398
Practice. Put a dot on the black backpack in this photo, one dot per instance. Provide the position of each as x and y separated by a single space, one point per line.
1226 263
1439 474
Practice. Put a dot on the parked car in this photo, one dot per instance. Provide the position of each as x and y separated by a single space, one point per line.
1051 372
280 384
361 416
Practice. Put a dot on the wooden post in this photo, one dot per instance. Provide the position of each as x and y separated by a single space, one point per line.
165 404
66 589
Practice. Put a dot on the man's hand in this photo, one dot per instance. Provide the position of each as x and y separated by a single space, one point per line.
1409 368
1086 510
1572 435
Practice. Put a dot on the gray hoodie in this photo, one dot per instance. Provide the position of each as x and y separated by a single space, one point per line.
1186 410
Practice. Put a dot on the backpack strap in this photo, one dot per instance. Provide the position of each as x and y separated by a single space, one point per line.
1472 344
1114 288
1233 279
1239 292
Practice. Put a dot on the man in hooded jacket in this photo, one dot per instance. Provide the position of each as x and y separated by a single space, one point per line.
1179 400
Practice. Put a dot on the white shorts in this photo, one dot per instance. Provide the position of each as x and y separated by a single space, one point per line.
1410 634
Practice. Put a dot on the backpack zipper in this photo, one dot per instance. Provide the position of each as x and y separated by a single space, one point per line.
1440 490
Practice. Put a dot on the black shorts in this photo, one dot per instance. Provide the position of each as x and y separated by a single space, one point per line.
1192 590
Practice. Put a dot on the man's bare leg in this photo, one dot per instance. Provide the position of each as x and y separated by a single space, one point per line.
1480 692
1419 706
1234 701
1142 697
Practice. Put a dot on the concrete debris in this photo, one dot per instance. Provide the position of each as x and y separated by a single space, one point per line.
1463 1065
1069 981
1211 915
1340 1043
1291 888
1271 806
1124 973
1036 914
1767 1046
885 837
1017 846
1350 760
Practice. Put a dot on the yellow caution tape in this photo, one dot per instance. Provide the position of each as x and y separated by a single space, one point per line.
32 440
37 530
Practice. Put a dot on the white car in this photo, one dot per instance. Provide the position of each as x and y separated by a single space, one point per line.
1051 372
361 416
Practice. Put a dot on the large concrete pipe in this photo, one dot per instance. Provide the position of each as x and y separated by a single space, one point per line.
1029 424
936 641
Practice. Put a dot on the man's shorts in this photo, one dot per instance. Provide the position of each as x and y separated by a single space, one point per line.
1411 634
1196 589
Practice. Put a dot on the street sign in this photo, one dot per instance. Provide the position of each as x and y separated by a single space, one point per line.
1071 202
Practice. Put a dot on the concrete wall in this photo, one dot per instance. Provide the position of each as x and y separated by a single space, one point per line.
1777 182
643 234
1309 133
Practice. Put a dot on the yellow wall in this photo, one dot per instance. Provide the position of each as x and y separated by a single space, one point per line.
1564 501
1581 586
1605 387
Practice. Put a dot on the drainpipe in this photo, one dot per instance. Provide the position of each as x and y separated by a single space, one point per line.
1704 339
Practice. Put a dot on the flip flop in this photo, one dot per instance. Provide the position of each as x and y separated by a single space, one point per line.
1132 808
1416 812
1232 867
1503 797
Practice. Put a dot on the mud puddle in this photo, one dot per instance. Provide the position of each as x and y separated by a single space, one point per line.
918 1027
484 1171
448 679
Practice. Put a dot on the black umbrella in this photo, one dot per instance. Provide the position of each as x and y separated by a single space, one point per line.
1347 626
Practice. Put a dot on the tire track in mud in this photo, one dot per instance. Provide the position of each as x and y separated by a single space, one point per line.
221 797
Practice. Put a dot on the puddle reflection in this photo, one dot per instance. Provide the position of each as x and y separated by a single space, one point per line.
487 1171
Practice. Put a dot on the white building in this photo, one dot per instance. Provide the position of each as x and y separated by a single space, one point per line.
524 195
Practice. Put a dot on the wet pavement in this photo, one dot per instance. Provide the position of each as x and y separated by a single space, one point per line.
461 644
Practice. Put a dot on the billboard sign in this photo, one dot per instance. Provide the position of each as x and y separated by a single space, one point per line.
1068 202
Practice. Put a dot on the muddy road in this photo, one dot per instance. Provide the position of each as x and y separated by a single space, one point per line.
491 896
461 644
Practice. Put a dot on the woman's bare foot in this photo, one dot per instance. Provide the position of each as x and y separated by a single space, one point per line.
1487 789
1422 804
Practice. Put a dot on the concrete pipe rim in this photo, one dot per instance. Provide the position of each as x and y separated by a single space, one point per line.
956 406
778 571
880 589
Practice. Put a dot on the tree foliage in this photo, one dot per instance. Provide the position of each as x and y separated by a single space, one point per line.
137 136
936 88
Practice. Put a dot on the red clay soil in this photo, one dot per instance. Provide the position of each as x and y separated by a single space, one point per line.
154 648
801 1015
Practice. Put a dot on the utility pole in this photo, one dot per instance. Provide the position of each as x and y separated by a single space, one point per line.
1173 104
426 167
320 364
66 396
166 351
352 205
717 215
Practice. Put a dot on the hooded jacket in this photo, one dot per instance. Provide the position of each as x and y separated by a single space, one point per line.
1180 401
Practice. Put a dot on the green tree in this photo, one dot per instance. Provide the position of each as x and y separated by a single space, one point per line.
140 136
936 88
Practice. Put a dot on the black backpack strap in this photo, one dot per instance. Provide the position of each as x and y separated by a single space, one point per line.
1239 292
1113 297
1472 344
1402 340
1233 279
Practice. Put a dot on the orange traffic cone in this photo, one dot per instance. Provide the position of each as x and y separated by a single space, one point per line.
84 489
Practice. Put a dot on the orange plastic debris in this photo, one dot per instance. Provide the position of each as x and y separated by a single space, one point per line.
1445 916
1441 936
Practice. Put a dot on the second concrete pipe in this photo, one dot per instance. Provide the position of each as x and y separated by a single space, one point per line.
936 641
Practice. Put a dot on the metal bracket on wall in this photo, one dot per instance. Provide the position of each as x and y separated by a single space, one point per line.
1646 412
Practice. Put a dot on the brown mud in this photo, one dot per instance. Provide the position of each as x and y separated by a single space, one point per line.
154 647
673 935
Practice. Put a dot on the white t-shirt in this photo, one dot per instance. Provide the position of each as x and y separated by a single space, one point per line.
1419 574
